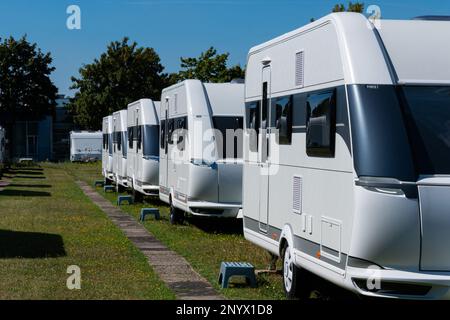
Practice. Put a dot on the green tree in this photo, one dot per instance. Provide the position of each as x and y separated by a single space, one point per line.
352 7
123 74
26 90
209 67
25 85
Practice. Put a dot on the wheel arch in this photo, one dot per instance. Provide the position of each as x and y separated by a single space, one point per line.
286 237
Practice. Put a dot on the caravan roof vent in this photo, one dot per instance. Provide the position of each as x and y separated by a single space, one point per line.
433 18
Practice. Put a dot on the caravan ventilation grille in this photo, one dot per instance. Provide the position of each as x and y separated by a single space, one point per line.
300 69
297 194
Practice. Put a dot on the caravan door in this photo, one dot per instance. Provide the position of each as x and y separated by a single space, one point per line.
264 149
163 169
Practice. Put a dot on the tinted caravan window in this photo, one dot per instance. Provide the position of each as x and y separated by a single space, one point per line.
427 113
110 143
231 130
253 124
150 140
170 129
283 119
124 138
181 127
118 140
321 124
130 137
105 141
139 137
162 134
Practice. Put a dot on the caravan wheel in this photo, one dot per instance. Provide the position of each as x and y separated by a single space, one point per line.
290 274
137 196
176 215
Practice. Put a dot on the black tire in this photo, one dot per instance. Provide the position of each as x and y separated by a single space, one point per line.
176 215
291 274
137 196
119 188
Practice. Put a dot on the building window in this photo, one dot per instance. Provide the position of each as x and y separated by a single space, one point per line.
283 119
321 124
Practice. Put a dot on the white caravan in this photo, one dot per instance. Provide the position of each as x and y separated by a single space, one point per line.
349 176
120 145
196 175
107 150
85 146
143 148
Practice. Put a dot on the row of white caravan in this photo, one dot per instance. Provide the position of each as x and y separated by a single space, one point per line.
346 154
85 146
149 149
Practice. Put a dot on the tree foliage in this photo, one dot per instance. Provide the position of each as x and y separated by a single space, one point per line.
123 74
208 67
352 7
25 84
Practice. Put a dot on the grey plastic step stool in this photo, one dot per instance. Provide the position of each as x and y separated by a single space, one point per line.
108 188
99 183
121 199
231 269
149 211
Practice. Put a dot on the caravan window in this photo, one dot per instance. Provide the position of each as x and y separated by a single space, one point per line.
105 141
162 134
253 124
130 138
181 126
170 129
231 131
283 119
139 137
123 139
321 124
150 144
427 114
119 140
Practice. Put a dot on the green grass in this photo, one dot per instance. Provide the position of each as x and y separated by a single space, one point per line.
204 243
48 224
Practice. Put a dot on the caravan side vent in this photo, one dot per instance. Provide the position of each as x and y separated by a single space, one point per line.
300 69
297 186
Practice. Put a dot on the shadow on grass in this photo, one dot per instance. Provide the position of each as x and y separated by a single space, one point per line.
27 172
18 244
19 185
24 193
217 225
29 177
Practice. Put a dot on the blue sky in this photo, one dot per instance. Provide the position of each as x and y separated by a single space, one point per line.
175 28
